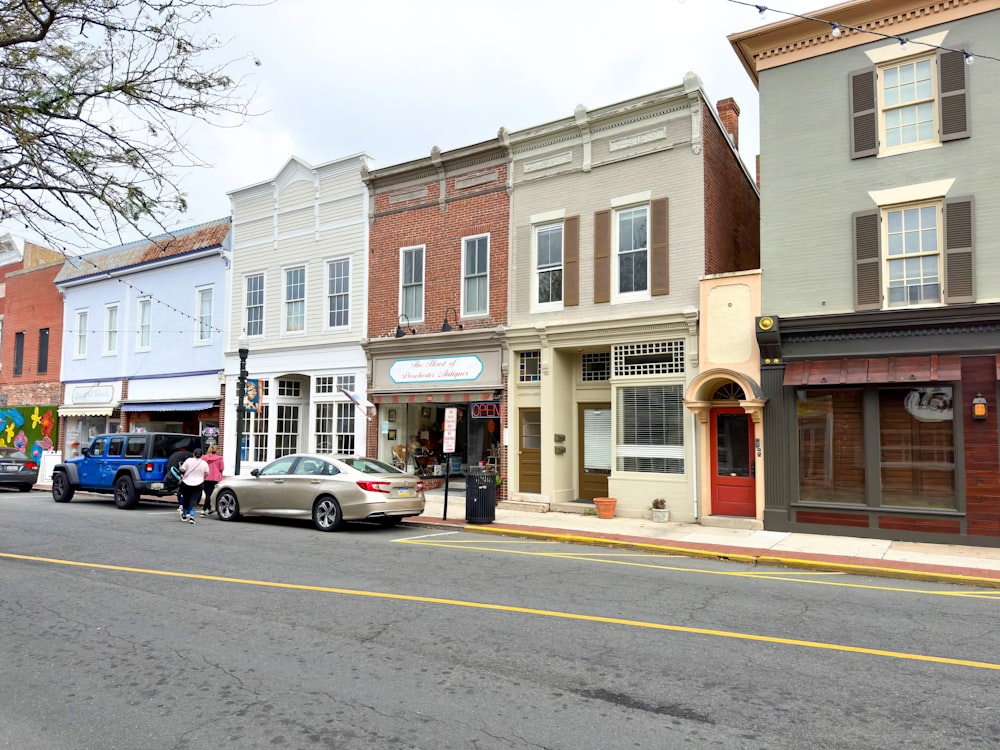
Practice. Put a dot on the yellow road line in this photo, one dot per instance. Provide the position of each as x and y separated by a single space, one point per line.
522 610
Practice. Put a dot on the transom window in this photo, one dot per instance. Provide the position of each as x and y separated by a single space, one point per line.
913 247
595 366
657 358
295 300
549 263
632 264
338 291
475 275
255 305
907 97
530 370
412 283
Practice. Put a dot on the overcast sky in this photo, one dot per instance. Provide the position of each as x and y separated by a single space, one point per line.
395 78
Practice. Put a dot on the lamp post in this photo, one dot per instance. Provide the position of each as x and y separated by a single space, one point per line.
241 394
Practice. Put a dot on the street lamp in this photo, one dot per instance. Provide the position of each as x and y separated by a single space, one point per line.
241 394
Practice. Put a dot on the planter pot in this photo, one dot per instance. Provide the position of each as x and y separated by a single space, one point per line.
605 506
661 515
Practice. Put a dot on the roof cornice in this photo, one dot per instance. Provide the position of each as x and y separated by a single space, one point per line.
796 39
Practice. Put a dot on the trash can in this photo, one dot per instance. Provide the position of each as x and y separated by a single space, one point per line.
481 494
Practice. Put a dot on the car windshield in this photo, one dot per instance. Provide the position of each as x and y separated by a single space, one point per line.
11 453
370 466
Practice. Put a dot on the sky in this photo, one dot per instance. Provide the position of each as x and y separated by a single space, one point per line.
397 77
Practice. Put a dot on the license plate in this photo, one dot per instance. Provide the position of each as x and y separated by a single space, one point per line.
11 468
403 493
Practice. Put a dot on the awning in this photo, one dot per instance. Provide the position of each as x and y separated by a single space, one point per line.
85 411
931 368
135 406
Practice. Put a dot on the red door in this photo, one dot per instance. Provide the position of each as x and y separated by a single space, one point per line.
733 492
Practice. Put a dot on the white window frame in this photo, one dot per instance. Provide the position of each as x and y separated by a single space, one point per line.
331 296
80 339
938 252
616 294
478 277
110 337
262 306
932 99
536 230
417 316
203 327
286 302
144 324
653 449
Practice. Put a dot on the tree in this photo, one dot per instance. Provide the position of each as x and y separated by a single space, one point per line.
95 97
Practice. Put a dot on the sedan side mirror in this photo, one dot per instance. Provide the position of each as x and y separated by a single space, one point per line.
255 473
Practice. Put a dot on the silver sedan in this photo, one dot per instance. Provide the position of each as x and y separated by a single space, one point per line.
328 489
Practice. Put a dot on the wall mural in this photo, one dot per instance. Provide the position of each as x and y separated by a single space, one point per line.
30 429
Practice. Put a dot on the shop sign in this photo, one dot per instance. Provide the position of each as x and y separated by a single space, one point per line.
436 370
485 410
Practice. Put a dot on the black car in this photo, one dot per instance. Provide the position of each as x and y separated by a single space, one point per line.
17 470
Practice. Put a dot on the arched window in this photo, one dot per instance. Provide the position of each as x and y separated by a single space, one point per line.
729 392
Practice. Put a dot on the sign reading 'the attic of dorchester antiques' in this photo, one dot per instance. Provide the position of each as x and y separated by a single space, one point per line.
436 370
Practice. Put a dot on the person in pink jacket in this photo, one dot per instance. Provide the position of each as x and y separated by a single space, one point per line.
214 476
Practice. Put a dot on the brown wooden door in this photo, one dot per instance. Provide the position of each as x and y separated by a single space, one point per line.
733 482
595 449
529 450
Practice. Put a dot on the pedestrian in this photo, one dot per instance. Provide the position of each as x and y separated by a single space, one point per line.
193 473
172 477
214 476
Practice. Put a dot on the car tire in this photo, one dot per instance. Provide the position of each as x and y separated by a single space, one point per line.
126 496
389 521
227 507
62 488
25 487
327 515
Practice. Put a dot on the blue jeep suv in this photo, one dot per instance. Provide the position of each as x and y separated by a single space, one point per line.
127 465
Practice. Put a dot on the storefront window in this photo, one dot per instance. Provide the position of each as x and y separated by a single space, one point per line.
831 446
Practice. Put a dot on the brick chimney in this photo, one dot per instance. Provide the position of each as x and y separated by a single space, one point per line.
729 113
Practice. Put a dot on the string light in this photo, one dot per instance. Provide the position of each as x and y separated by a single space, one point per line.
837 29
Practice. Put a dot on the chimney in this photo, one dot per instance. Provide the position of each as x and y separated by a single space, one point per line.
729 113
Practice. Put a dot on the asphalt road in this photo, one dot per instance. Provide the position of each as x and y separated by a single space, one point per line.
129 629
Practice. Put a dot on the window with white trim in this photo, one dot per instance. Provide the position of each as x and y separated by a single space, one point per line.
204 297
475 275
411 273
295 300
286 438
80 339
111 329
549 264
913 254
335 428
255 433
650 429
631 263
338 293
144 317
254 304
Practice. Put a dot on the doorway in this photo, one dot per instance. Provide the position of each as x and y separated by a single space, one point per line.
733 472
595 449
530 450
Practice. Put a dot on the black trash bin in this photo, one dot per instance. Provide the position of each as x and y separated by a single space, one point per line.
481 494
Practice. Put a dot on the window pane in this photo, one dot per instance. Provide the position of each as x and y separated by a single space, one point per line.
917 448
831 446
255 305
650 429
338 293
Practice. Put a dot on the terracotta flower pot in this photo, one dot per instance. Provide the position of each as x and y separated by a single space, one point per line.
605 506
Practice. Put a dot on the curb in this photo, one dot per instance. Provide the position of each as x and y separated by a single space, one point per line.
749 558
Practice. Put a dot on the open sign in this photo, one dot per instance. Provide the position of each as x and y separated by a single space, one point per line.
485 410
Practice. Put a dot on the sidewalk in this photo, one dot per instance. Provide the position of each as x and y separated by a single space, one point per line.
969 566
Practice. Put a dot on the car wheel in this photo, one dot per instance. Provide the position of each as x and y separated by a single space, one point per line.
125 495
25 487
62 488
388 521
227 506
327 515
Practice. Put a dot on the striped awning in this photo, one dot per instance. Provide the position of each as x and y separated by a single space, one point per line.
143 406
97 410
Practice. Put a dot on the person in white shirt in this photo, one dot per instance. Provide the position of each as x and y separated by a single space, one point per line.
193 473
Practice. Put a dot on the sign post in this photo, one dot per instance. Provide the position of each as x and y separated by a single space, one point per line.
448 446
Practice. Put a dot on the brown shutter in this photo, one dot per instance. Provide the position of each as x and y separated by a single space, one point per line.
959 259
953 103
571 261
864 130
602 256
659 236
868 261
